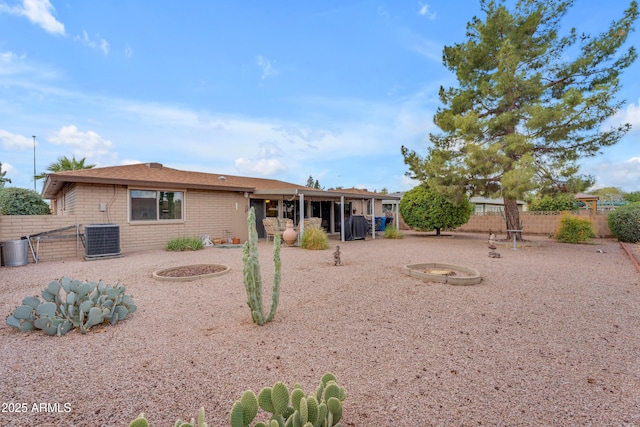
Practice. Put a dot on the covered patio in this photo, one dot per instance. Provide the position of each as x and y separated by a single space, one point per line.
337 210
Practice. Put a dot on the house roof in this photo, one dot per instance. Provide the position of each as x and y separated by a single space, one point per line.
155 175
584 196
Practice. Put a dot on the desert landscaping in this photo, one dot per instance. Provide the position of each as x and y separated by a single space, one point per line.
550 336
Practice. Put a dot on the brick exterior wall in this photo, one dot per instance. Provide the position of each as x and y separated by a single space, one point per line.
217 214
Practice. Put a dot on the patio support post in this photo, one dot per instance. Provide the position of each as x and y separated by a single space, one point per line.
342 218
373 218
301 221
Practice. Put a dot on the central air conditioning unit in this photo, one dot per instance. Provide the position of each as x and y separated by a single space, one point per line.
102 240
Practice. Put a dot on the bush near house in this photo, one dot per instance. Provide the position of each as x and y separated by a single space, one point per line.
314 238
391 232
185 244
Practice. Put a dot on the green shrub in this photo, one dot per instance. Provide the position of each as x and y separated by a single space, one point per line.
185 244
632 197
81 305
391 232
624 223
20 201
314 238
573 229
561 202
426 210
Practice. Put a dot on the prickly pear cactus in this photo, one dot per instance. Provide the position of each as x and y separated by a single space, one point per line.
292 409
141 421
69 303
252 277
288 409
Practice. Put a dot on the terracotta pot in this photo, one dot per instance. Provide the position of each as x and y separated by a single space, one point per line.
290 235
236 241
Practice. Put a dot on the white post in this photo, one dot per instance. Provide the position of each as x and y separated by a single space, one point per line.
342 218
373 218
301 223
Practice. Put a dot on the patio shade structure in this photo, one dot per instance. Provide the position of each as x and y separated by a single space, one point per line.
337 196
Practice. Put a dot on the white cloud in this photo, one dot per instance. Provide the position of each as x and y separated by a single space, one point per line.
104 46
11 141
424 11
416 42
8 168
84 144
624 175
266 163
11 64
631 115
269 150
23 72
428 49
98 43
8 57
40 12
407 182
267 69
294 134
259 167
128 51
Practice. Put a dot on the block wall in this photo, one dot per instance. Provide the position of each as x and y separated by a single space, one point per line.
534 223
66 245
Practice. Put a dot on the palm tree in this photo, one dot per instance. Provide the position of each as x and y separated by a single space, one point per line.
64 164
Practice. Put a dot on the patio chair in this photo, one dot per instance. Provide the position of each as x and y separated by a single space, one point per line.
271 227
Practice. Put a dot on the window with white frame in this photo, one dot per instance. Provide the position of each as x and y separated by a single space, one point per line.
152 205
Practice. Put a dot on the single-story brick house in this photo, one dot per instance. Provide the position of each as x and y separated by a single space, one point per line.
152 204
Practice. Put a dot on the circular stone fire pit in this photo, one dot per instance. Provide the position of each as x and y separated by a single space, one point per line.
186 273
444 273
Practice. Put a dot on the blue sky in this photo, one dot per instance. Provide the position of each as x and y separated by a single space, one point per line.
275 89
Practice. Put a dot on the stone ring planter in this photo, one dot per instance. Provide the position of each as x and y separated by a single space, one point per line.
187 273
444 273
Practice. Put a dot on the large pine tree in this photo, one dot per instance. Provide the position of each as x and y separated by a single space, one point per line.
529 103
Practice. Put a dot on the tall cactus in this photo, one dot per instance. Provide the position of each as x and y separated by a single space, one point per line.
252 277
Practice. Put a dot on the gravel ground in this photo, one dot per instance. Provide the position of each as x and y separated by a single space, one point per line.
551 337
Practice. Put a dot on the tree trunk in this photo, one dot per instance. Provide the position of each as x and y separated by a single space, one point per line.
437 231
512 218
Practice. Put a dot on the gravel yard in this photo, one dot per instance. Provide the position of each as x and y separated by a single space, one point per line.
550 337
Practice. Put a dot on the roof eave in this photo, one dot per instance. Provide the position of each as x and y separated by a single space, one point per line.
52 185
